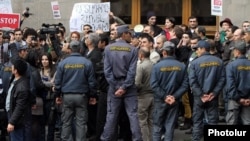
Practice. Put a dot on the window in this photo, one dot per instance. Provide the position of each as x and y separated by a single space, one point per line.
122 9
202 10
162 9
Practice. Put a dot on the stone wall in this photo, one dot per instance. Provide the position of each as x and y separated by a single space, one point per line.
42 12
237 10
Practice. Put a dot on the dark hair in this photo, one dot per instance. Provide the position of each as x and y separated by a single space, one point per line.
188 33
193 17
30 31
61 32
148 37
51 65
33 57
178 32
202 30
172 20
194 37
186 27
62 28
20 65
18 29
104 38
233 28
88 26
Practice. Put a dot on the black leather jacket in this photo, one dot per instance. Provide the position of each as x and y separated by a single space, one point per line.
19 102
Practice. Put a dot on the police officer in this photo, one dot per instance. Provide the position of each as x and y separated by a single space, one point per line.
120 59
169 81
238 74
206 78
74 79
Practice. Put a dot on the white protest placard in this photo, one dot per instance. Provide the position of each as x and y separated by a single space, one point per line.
5 6
216 7
55 10
94 14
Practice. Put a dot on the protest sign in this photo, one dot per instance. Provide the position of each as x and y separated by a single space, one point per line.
216 7
5 6
94 14
55 10
9 20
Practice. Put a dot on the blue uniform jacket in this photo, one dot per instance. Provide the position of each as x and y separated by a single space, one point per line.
120 59
75 74
169 77
238 78
206 75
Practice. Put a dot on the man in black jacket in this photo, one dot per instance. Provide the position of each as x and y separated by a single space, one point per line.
17 101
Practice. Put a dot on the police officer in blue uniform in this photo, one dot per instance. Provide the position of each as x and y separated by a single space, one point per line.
74 79
238 88
169 81
120 59
206 78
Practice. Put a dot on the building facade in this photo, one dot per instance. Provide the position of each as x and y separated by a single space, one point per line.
134 11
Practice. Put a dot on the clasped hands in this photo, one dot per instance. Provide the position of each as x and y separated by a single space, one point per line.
170 99
245 102
207 97
119 92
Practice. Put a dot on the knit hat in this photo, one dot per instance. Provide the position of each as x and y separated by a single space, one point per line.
150 14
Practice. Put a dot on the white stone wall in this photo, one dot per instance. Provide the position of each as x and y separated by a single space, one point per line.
237 10
42 12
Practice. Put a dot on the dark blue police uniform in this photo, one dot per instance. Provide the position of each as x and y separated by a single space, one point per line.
120 60
206 75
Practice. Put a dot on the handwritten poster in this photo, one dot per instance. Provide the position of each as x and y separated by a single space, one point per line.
5 6
94 14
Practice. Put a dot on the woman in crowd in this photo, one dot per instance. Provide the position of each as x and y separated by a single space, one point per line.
47 72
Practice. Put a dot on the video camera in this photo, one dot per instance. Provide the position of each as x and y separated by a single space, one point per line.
50 28
26 13
6 33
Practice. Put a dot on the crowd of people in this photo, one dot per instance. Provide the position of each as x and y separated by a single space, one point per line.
123 84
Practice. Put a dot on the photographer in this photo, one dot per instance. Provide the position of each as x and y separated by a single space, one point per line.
54 41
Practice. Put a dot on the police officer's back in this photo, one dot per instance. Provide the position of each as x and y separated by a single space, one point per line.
74 79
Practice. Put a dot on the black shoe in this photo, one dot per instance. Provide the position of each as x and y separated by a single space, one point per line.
189 131
185 127
187 124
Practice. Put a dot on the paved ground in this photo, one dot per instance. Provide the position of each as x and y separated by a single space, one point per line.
179 135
